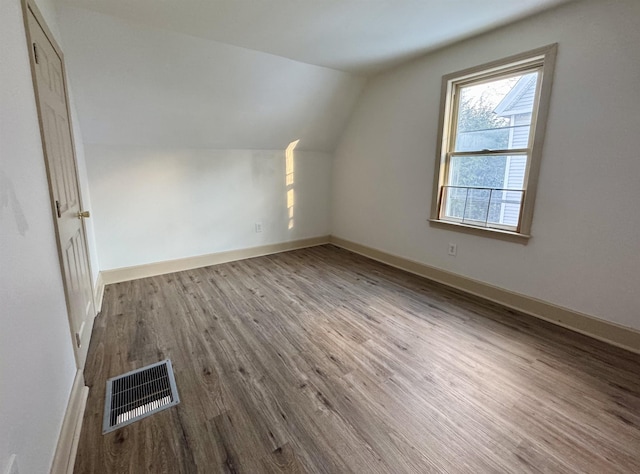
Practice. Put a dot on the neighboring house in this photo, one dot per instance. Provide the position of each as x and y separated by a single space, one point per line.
517 106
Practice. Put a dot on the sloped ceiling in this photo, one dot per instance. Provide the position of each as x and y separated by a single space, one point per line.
360 36
247 74
139 86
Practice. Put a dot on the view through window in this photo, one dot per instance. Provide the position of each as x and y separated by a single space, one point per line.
487 148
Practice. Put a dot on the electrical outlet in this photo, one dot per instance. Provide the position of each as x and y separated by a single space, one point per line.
453 249
258 227
12 467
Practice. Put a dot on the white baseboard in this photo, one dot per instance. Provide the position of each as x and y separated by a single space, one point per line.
99 293
65 455
160 268
606 331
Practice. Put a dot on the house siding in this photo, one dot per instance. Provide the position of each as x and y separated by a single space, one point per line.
517 165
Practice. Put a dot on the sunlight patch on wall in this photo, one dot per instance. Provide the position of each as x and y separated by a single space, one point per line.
289 162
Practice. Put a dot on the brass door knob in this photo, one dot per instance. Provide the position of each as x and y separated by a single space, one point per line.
83 214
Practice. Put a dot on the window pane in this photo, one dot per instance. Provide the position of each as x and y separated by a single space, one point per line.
475 190
477 206
504 208
496 115
477 171
454 200
483 207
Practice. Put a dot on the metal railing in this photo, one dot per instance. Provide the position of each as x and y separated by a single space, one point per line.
498 208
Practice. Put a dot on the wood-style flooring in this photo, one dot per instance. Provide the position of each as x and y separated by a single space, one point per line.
320 360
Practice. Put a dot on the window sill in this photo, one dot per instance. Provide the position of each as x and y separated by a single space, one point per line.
483 231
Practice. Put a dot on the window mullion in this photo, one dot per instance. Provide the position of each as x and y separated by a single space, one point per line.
517 151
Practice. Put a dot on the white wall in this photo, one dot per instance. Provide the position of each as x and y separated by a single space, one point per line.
185 139
156 204
37 365
584 254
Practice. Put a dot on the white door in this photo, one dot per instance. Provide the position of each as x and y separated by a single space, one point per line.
55 127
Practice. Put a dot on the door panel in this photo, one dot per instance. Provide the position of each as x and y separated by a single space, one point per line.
63 182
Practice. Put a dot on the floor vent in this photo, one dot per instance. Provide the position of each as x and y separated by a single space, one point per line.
139 393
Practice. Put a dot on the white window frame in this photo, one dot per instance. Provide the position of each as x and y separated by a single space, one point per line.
542 59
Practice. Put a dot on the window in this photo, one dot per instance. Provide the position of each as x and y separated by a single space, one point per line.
492 126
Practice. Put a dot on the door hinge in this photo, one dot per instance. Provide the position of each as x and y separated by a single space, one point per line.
58 209
78 342
35 53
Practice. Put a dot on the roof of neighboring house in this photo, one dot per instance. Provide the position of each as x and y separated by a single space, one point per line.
519 100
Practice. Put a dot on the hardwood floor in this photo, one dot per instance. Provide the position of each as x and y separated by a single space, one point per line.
319 360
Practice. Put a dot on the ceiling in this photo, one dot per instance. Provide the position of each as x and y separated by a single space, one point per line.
358 36
135 85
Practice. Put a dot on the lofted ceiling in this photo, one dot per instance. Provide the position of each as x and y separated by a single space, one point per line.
358 36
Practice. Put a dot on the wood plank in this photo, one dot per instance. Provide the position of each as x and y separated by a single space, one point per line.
320 360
